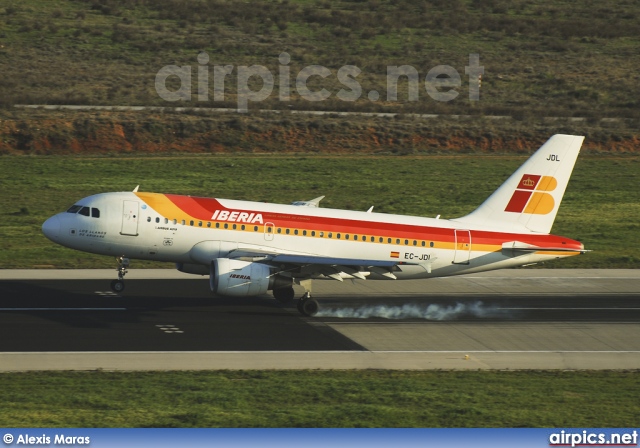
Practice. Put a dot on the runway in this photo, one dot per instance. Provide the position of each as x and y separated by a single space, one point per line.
165 320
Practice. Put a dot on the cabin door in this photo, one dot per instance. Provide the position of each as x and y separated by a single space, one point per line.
462 247
130 218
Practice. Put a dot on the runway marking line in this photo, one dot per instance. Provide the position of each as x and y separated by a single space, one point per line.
63 309
168 328
106 294
461 277
316 352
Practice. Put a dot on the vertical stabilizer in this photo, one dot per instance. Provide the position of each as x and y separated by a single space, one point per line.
530 198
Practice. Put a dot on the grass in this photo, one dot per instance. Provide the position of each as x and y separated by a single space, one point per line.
320 399
600 207
542 57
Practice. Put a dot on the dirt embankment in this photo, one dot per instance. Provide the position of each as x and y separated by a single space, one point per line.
85 132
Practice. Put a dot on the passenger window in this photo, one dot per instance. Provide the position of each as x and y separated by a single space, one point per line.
166 220
157 220
148 218
74 208
84 211
95 213
199 223
209 224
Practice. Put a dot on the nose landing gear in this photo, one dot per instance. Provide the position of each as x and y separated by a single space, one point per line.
123 264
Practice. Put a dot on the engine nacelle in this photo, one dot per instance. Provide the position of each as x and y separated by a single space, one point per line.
238 278
190 268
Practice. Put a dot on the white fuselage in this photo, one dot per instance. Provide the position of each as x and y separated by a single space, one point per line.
186 230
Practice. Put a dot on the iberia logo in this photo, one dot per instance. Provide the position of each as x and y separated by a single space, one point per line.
529 196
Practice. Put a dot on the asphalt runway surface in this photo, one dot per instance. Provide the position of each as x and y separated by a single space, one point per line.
567 319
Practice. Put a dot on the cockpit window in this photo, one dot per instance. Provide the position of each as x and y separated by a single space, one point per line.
85 211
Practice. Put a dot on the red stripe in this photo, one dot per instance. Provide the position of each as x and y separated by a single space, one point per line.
203 208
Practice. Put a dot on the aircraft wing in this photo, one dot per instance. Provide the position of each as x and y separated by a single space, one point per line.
299 265
311 203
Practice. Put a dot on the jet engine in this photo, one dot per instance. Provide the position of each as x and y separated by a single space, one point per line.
191 268
238 278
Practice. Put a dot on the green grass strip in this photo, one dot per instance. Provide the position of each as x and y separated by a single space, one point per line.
320 399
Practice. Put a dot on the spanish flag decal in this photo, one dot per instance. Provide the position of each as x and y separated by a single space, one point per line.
395 255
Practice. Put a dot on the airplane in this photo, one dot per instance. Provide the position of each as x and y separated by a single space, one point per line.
248 248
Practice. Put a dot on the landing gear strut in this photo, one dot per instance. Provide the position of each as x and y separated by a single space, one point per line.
123 264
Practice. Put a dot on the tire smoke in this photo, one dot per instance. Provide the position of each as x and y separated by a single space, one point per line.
414 311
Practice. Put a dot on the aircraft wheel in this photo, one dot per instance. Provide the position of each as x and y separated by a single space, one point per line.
284 295
308 306
117 286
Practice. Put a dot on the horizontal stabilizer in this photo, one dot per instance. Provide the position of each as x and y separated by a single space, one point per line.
518 246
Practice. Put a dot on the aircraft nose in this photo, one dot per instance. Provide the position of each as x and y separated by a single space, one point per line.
51 228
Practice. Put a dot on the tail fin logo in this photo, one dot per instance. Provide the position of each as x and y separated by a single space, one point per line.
529 196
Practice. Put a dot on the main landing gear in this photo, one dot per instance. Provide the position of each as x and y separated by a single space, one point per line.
307 305
118 285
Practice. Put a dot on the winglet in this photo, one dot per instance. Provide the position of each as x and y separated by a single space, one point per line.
311 203
135 190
